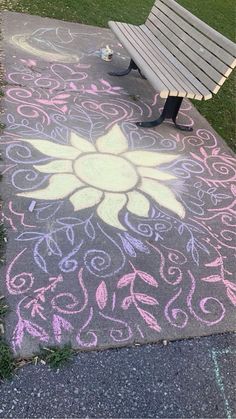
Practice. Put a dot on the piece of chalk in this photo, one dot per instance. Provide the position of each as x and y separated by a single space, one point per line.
32 205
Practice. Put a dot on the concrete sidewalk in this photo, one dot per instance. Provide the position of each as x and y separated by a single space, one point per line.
116 234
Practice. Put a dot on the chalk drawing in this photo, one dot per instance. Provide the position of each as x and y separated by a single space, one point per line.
216 355
122 215
53 44
136 297
22 42
106 174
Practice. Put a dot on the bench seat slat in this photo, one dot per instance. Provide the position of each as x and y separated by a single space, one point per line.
190 65
204 92
134 52
159 71
221 59
209 32
156 59
164 14
189 53
164 66
190 89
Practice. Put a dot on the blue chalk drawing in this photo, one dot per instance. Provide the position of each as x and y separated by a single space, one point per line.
215 354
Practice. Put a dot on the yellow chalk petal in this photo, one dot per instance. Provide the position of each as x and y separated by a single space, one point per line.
54 150
162 195
155 174
114 142
85 198
110 207
81 144
138 204
149 158
56 166
59 187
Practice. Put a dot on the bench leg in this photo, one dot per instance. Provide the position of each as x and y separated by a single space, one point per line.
132 66
170 111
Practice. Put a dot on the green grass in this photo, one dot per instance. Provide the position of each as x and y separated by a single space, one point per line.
3 309
6 360
56 356
92 12
7 363
219 14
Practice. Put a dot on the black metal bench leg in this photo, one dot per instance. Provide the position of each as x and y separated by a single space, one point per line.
170 111
141 74
132 66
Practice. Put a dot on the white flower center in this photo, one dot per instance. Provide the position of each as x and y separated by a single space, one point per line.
106 172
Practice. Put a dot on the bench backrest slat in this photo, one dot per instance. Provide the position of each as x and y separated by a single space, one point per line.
159 60
201 26
194 51
207 49
201 48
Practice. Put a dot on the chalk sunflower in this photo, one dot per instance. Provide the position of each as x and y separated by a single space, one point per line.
106 175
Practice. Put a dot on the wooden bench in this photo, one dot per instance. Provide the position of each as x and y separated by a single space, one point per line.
180 55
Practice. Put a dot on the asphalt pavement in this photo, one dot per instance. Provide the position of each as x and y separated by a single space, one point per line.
183 379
